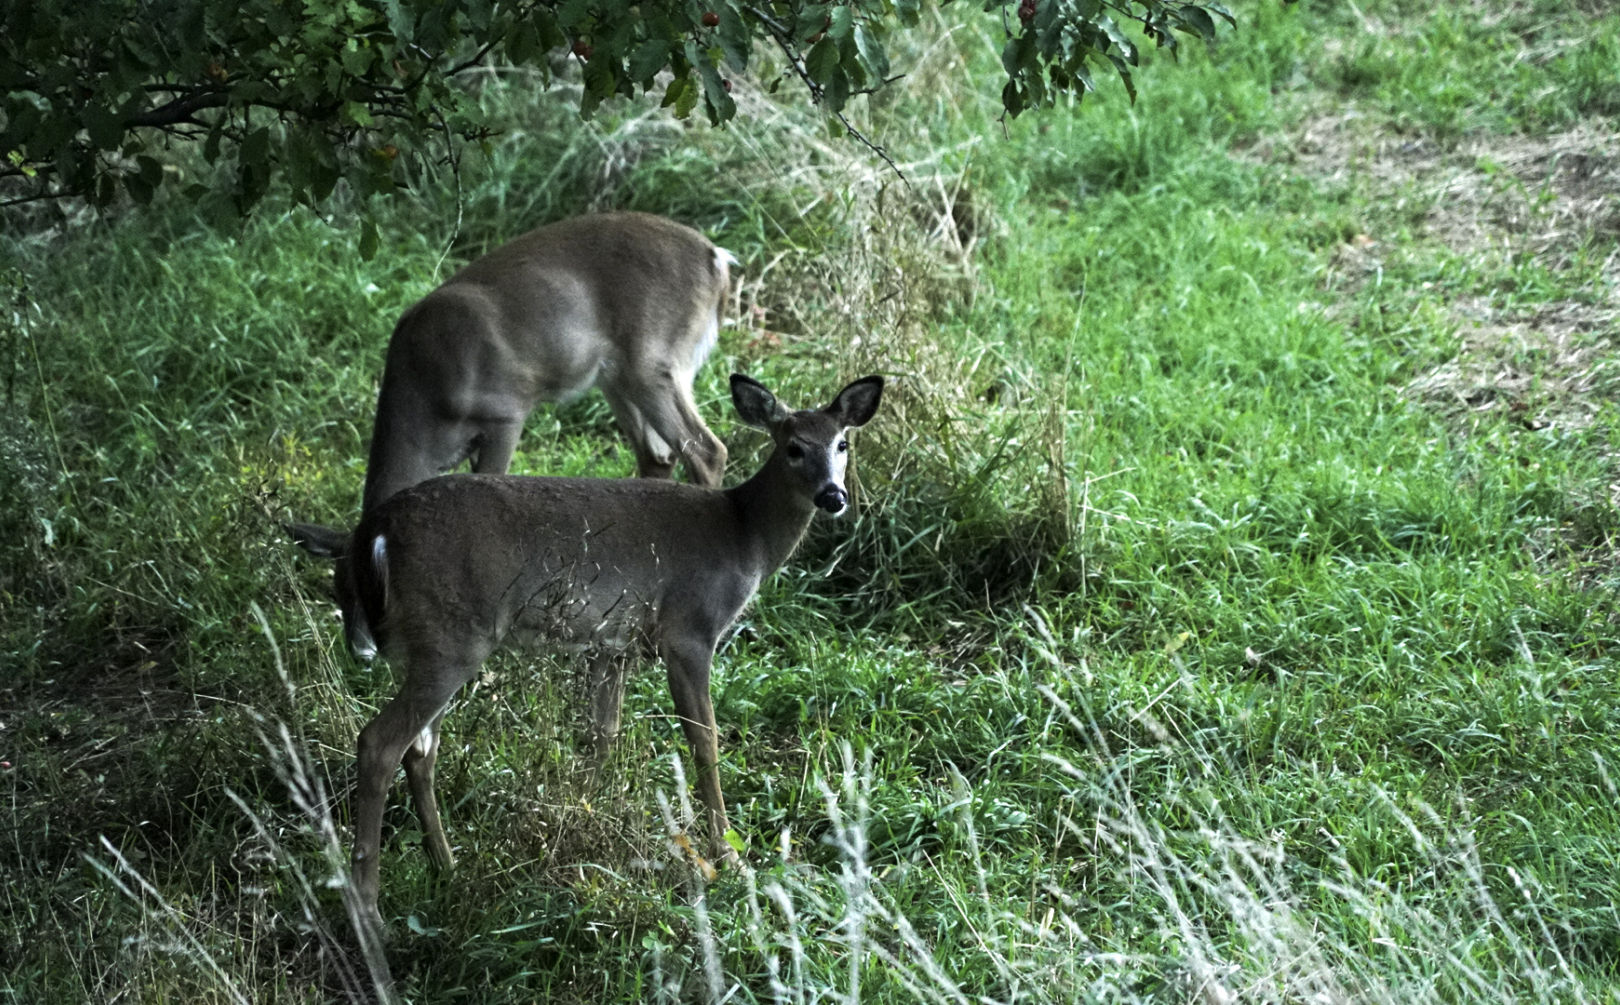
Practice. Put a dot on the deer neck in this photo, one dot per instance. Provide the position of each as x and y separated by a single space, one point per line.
773 514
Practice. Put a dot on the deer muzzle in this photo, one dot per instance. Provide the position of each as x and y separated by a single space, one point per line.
833 499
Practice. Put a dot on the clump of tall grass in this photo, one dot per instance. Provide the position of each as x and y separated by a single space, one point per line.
1169 901
1203 912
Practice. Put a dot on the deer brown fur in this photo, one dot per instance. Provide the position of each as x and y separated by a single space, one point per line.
447 571
628 302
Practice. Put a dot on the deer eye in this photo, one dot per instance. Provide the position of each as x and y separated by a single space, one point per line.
794 451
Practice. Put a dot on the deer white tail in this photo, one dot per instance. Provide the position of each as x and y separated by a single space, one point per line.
367 606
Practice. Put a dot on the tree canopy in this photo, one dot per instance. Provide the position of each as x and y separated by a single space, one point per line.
321 90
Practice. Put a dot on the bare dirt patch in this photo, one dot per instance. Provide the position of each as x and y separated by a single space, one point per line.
1496 202
1552 195
1542 367
1542 353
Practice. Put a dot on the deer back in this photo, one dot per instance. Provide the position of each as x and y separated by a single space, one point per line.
537 318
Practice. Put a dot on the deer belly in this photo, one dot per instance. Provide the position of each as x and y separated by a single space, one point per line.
574 620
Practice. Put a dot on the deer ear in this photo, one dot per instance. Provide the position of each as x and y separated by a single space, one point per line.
322 542
755 405
857 403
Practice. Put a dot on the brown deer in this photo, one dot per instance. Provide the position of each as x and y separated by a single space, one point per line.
444 572
629 302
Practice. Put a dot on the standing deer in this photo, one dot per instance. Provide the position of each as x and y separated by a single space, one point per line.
629 302
445 571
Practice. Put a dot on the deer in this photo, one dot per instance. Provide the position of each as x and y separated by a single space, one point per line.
628 302
445 572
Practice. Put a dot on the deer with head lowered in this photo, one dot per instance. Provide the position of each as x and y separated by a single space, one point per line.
443 573
629 302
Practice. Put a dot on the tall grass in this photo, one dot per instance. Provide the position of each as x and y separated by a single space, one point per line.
1198 636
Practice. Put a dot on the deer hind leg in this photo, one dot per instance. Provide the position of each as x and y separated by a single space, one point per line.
381 747
420 757
703 452
667 426
689 664
655 458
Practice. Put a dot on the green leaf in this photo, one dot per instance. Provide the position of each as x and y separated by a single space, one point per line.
255 147
137 51
357 58
571 14
836 93
139 188
1017 54
736 39
1012 99
551 34
1124 77
479 13
401 21
843 22
1035 94
24 118
648 59
600 78
216 132
822 62
192 27
103 126
1126 49
716 100
523 42
811 19
252 181
682 95
872 53
1199 20
1083 74
370 240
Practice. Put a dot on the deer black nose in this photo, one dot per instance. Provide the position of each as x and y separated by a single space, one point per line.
832 499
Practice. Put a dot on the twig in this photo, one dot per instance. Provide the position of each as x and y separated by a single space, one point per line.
818 94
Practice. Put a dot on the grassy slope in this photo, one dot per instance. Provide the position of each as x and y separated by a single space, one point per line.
1181 643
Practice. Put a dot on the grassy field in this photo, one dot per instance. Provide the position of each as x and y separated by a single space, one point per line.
1229 613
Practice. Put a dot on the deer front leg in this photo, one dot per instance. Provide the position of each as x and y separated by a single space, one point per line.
609 673
380 749
411 442
689 664
496 443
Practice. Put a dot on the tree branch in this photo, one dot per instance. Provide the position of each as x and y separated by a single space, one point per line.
779 35
180 110
22 200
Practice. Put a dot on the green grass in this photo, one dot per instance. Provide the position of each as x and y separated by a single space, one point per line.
1228 614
